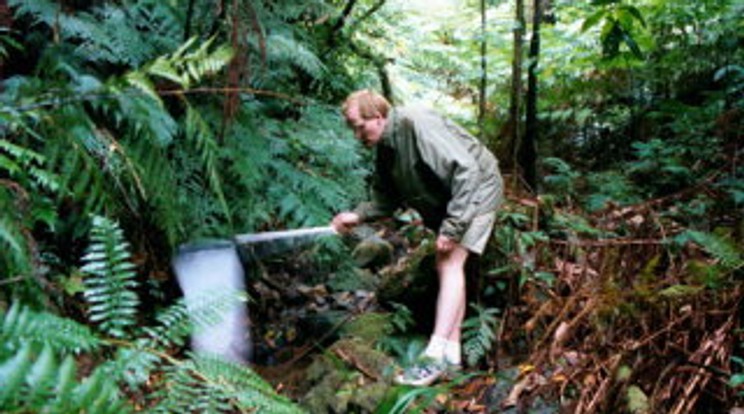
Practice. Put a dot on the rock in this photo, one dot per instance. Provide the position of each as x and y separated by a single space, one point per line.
373 252
413 282
349 377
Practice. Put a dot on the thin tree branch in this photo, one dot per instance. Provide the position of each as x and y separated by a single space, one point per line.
163 92
341 21
372 10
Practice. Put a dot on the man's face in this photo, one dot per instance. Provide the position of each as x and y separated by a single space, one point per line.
367 131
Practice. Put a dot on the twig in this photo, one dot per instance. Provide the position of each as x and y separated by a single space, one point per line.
12 280
58 101
604 387
608 242
309 348
713 347
351 360
639 344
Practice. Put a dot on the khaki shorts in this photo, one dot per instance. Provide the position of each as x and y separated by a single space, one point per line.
477 235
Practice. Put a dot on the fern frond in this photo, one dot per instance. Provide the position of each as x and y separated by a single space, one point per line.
479 333
109 34
210 383
135 363
34 382
41 11
110 279
201 63
21 325
132 365
153 165
75 154
184 67
176 322
238 376
186 392
722 249
285 50
28 163
13 243
202 137
141 82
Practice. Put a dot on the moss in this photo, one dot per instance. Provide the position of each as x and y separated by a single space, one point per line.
349 377
369 327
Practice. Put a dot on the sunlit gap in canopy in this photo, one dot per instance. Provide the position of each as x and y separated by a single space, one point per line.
424 17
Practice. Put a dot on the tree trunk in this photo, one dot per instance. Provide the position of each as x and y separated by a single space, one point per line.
527 154
511 137
484 74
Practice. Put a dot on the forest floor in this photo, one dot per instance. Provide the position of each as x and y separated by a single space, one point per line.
624 325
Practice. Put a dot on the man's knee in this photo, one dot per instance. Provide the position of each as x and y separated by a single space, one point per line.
452 260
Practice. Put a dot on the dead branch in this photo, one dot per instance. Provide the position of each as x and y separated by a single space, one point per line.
351 360
711 349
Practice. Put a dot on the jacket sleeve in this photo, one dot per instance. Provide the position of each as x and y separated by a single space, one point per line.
446 154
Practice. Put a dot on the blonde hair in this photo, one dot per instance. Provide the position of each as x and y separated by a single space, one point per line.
370 104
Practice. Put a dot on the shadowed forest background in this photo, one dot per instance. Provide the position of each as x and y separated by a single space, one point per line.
612 283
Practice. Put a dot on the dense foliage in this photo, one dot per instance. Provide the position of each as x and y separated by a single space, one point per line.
130 127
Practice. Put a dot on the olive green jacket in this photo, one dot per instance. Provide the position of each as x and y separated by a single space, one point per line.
427 162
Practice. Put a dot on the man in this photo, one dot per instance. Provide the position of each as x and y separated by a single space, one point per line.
427 162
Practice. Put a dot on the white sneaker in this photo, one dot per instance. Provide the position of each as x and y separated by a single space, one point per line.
452 370
422 373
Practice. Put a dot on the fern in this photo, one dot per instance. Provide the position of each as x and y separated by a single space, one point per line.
76 153
6 41
33 381
21 325
298 172
284 49
182 67
202 137
135 363
208 384
25 177
158 175
15 256
479 333
179 320
722 249
41 10
109 34
110 279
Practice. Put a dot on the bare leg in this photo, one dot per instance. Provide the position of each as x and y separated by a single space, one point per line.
448 320
451 298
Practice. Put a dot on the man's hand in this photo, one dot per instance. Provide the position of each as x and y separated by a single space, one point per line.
345 221
445 244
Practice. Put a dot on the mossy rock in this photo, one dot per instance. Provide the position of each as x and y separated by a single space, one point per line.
373 252
356 279
412 274
369 327
413 282
350 376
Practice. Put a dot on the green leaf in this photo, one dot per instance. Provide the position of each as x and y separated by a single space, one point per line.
632 44
42 375
637 400
592 20
677 291
12 374
633 11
